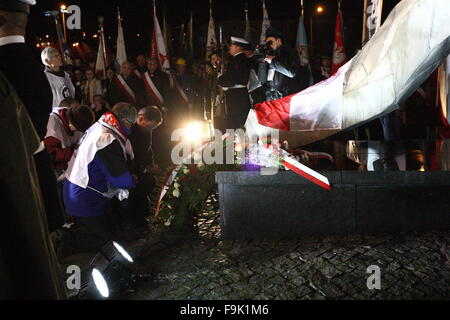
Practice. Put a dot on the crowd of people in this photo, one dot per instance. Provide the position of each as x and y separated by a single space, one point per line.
85 146
99 136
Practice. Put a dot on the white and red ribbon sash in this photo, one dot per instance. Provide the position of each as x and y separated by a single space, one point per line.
306 172
152 89
137 73
109 120
125 88
181 92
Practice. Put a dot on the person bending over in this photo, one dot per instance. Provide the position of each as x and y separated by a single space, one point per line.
144 167
98 171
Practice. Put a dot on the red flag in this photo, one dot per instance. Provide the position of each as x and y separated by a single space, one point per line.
339 56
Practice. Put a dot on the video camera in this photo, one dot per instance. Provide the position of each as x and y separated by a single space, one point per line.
264 50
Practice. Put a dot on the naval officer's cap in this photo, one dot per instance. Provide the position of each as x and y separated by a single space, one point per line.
17 5
239 42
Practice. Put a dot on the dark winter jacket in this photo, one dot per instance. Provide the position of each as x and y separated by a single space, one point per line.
286 64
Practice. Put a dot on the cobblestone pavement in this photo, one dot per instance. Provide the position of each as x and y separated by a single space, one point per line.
199 265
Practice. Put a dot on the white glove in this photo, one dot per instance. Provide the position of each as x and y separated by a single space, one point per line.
120 193
123 194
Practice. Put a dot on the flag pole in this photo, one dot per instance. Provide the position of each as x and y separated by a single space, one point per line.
102 41
364 24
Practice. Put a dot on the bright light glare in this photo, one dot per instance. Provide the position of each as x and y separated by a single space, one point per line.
319 9
100 283
63 7
122 251
193 132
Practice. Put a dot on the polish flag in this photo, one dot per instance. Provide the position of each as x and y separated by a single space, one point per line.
315 108
121 53
339 55
161 50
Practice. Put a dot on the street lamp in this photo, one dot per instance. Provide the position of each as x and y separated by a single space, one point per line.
316 11
63 9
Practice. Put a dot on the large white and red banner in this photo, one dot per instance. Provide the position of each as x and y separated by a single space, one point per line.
339 55
372 18
373 83
315 108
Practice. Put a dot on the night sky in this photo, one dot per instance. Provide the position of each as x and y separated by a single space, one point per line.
137 18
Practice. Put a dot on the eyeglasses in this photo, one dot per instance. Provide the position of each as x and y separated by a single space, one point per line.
129 122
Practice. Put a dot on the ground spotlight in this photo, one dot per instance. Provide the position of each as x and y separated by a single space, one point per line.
109 271
100 283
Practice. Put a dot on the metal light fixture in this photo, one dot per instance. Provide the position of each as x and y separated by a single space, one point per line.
108 271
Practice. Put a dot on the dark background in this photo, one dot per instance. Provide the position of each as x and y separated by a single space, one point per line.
138 19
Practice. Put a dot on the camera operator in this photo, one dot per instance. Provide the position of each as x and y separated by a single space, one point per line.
279 67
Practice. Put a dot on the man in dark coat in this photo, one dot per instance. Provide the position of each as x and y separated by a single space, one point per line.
27 77
144 167
161 82
28 265
281 68
157 84
234 81
127 87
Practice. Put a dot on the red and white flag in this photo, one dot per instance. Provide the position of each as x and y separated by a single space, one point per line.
100 65
121 53
152 89
315 108
265 24
339 55
159 45
102 61
211 41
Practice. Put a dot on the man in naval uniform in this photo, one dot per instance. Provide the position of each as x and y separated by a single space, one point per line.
234 81
29 267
